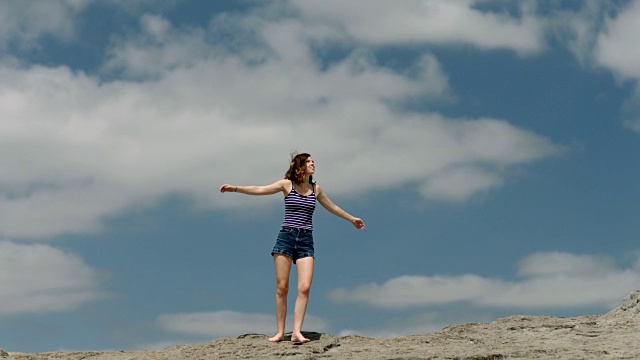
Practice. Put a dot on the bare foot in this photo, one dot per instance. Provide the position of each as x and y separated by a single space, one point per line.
299 339
277 338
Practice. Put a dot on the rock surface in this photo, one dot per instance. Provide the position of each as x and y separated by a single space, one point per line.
614 335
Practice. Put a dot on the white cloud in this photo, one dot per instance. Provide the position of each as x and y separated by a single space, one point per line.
550 280
563 264
409 291
229 323
618 47
429 22
604 35
633 124
420 323
157 48
192 114
40 278
22 23
458 184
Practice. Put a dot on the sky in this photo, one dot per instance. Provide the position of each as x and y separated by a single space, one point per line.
490 146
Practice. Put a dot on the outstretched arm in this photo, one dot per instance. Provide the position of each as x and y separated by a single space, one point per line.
278 186
324 200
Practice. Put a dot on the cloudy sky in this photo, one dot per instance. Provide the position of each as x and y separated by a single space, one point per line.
491 147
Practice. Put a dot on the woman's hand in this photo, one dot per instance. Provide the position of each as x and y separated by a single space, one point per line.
358 223
228 188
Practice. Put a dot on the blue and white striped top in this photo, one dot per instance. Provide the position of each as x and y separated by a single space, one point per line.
298 209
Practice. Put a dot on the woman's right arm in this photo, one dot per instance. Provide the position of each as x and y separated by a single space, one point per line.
276 187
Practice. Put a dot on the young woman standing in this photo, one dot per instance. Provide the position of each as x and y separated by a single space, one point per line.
295 239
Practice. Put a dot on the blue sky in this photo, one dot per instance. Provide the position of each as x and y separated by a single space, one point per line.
490 146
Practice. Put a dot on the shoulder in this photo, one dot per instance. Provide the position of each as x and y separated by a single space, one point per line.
318 189
285 184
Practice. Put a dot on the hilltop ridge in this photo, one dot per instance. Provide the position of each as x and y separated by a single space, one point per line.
614 335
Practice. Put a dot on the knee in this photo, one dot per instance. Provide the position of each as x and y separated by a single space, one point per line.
282 289
304 289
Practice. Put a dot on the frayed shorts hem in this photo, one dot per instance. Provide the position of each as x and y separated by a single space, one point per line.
287 254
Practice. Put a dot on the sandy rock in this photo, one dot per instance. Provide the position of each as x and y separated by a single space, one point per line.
614 335
4 353
630 306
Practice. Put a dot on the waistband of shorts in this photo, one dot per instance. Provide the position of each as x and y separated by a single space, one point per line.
299 230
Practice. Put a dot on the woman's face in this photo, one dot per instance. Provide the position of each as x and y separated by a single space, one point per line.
309 166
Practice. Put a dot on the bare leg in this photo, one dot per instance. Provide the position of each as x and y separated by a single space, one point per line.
283 268
304 267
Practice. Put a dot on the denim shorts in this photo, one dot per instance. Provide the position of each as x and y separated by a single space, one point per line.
294 243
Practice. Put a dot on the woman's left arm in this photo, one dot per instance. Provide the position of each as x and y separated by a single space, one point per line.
324 200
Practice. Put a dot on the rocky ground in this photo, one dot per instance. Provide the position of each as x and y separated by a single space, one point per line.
615 335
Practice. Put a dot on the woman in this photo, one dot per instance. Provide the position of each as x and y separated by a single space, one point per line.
295 240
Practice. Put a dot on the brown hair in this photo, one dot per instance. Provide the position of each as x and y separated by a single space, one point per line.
297 168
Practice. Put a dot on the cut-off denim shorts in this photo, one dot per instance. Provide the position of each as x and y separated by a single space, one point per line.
294 243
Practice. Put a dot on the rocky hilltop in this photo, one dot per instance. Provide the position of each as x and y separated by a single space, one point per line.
614 335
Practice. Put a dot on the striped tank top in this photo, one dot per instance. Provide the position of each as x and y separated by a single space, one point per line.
298 209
